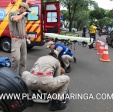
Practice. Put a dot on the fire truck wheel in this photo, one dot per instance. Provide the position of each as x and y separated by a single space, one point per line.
30 47
3 107
6 44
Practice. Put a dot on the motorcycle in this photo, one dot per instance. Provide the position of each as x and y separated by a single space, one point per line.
12 84
99 33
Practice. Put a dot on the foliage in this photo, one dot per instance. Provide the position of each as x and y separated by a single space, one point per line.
74 6
84 12
105 21
98 13
110 14
82 18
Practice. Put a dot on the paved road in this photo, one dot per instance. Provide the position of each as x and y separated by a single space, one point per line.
89 75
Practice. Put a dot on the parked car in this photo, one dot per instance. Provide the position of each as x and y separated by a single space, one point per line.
109 38
67 29
64 29
73 29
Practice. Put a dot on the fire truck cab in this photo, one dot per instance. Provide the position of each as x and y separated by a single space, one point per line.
44 17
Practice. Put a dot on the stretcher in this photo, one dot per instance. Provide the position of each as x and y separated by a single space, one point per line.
71 38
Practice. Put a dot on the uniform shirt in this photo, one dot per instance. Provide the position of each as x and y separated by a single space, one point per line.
63 50
92 29
47 64
17 28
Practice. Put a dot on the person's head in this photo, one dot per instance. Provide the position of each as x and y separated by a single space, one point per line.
54 53
23 7
94 24
51 45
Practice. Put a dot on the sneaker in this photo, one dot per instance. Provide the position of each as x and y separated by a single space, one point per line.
68 69
57 105
43 99
65 95
74 59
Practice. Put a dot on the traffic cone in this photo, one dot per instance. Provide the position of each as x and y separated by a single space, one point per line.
105 56
97 45
101 48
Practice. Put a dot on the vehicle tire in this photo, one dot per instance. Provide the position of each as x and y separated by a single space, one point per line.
6 44
108 42
3 107
112 43
30 47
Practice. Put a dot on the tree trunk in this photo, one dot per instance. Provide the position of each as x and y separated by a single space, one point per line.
70 25
71 16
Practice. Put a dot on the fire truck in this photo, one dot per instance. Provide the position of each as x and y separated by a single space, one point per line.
44 17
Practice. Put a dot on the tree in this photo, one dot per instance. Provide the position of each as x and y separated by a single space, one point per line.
82 19
74 6
98 13
110 14
77 11
104 21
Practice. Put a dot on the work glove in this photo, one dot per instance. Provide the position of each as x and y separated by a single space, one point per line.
25 13
28 41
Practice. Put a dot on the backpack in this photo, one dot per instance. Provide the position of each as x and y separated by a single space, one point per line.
5 62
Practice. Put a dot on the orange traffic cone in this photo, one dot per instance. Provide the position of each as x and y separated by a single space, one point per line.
105 56
101 48
97 45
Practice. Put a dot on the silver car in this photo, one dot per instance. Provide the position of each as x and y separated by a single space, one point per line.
109 38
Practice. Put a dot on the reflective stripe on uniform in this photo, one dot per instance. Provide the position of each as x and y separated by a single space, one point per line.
65 51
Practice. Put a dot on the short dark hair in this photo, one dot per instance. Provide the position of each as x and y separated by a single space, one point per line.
20 7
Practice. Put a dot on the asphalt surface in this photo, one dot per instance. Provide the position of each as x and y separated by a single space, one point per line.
89 78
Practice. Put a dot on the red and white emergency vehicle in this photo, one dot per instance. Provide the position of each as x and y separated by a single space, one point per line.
45 17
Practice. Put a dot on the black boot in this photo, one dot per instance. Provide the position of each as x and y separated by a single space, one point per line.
57 105
74 59
30 102
68 69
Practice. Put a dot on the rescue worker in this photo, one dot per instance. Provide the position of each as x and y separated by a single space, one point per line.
64 52
92 31
46 75
17 23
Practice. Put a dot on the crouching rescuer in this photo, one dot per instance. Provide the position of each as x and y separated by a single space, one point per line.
64 52
48 75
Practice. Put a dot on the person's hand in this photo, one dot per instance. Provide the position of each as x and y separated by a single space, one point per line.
27 37
24 13
62 71
28 41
